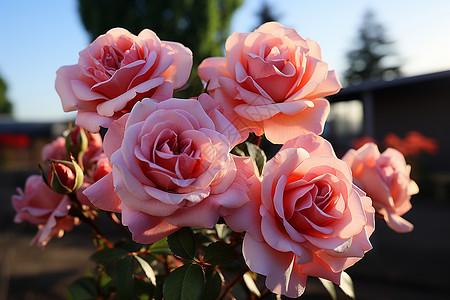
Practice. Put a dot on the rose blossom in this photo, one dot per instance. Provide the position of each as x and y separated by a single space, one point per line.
95 163
172 168
99 167
310 220
385 178
56 150
117 70
271 82
41 206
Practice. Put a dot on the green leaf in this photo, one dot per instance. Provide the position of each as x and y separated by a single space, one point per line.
258 155
251 285
184 283
82 289
204 236
223 231
160 247
329 286
143 289
238 151
129 245
347 285
213 285
108 256
182 243
123 276
219 253
106 285
148 270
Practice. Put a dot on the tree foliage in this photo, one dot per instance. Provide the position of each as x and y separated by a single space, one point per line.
266 14
5 104
370 59
201 25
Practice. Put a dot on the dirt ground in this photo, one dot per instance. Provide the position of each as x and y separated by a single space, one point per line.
401 266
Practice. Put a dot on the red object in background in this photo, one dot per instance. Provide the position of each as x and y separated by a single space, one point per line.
413 144
16 140
359 142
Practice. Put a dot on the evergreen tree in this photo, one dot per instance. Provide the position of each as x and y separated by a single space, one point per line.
265 14
5 104
201 25
369 61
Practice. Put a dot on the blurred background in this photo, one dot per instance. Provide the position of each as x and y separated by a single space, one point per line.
392 57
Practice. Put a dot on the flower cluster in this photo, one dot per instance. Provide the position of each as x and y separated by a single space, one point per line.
167 163
48 199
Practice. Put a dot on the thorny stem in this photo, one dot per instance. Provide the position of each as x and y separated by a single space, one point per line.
233 283
97 231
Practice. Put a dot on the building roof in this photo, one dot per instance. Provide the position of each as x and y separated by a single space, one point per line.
355 91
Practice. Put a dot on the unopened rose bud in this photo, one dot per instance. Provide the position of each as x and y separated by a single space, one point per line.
65 176
77 142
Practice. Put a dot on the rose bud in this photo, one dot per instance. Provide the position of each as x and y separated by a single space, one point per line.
77 142
65 176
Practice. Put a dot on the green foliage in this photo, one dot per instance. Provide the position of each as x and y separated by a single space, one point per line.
148 270
223 231
184 283
123 276
252 150
201 25
131 270
108 256
347 285
329 286
82 289
161 247
368 61
213 284
5 104
251 285
219 253
182 243
118 274
266 14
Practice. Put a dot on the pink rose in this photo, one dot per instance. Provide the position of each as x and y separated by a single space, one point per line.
55 150
311 220
95 163
172 168
94 151
99 167
117 70
270 82
48 210
385 179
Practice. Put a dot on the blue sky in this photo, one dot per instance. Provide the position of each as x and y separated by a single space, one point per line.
37 37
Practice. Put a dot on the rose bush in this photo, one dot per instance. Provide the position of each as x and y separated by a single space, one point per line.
385 178
310 219
39 205
172 168
271 81
117 70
